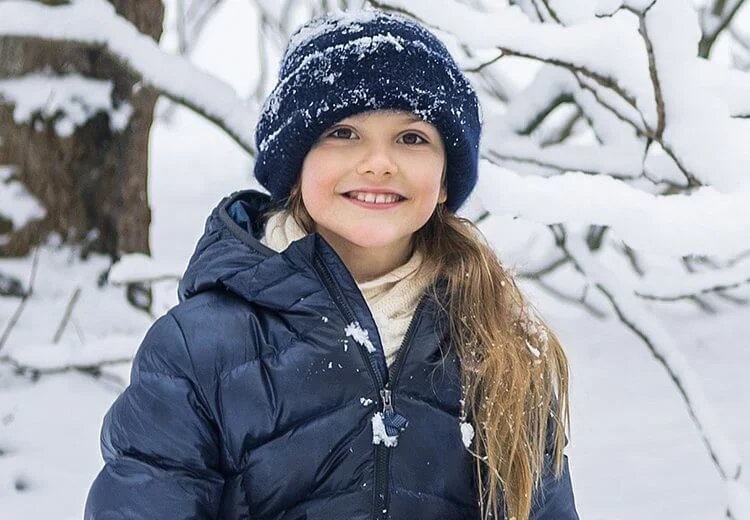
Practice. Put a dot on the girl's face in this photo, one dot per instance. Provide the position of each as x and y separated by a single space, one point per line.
373 179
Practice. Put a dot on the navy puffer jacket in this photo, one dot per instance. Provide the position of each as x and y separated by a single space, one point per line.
248 400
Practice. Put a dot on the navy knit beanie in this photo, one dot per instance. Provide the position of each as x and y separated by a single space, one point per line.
342 64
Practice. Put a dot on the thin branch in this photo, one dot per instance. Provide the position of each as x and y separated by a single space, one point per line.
553 266
92 369
483 65
725 18
694 293
66 316
494 156
641 127
564 130
576 300
551 12
658 134
22 305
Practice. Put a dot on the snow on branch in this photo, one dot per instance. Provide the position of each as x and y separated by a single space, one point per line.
69 99
698 121
670 287
95 22
674 225
643 323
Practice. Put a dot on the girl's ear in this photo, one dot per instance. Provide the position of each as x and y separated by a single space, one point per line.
443 195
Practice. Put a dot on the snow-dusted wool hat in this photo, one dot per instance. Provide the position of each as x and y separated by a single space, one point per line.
342 64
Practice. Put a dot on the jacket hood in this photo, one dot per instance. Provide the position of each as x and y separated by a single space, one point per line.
229 256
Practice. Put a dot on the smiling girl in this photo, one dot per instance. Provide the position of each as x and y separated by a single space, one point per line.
346 347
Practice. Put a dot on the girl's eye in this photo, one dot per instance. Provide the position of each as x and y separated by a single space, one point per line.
412 138
342 133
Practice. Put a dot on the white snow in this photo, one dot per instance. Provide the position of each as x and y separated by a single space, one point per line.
137 267
467 434
365 401
379 434
361 336
738 500
628 419
351 20
674 225
71 98
16 203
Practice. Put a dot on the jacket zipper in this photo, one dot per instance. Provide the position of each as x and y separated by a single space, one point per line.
382 453
343 306
385 402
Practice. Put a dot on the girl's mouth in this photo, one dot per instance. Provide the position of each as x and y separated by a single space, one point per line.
366 197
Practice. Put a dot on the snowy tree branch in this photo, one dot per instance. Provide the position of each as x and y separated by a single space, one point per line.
643 221
658 341
666 288
94 22
714 20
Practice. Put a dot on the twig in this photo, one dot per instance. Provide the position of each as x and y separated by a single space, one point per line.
93 369
708 39
580 300
66 316
687 295
19 310
485 64
534 275
494 156
653 73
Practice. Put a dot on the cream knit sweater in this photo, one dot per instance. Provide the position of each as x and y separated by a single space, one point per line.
392 297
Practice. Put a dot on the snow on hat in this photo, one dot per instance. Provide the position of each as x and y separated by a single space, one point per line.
345 63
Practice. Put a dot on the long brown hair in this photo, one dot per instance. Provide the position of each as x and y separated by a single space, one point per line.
514 370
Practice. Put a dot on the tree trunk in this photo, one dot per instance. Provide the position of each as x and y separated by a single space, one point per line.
92 183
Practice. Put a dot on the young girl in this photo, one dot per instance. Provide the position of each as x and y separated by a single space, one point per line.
347 348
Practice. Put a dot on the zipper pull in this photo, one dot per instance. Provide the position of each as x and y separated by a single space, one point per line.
392 421
385 394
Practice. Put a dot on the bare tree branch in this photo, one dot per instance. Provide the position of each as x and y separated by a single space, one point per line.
66 315
721 13
93 369
22 305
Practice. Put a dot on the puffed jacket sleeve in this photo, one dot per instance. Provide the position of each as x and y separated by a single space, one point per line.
554 500
160 445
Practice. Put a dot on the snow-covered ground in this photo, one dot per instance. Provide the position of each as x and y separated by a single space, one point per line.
634 451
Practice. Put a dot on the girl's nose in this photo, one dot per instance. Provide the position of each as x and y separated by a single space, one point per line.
377 160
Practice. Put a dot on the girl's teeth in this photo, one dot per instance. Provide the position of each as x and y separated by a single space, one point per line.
380 198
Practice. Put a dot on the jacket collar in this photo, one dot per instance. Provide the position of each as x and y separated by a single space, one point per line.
230 256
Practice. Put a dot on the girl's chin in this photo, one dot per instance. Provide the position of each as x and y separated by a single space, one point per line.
372 242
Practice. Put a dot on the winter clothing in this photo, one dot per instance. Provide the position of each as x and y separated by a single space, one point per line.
255 398
392 298
342 64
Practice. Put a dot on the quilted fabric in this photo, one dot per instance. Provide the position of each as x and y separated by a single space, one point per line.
248 400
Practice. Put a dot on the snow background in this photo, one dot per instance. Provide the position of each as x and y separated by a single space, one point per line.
634 452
